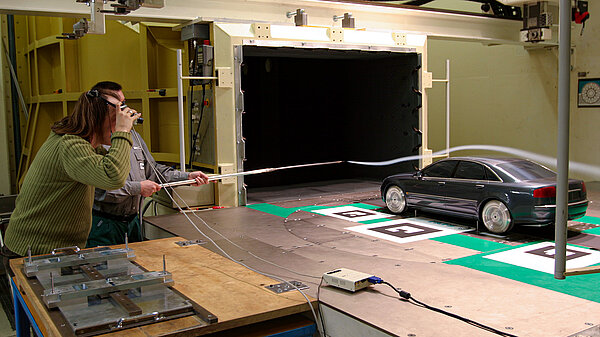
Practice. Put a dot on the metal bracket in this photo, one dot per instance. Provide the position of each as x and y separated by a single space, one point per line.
190 243
261 30
96 25
336 34
285 286
347 20
427 80
33 266
224 77
227 168
301 18
54 296
399 39
97 21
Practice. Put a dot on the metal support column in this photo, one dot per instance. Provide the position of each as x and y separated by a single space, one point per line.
180 101
562 153
448 107
447 81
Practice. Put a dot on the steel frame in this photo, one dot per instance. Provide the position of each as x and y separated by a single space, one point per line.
433 23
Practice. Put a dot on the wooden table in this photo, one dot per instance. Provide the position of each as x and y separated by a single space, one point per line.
233 293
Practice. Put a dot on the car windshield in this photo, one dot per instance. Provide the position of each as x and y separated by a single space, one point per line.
526 170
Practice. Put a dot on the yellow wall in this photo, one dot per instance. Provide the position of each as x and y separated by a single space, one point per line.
507 95
54 72
5 118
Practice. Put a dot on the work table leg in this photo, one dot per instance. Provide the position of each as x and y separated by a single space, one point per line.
23 319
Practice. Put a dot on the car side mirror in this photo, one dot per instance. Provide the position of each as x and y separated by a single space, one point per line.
418 175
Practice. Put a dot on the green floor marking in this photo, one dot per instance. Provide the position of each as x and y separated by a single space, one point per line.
364 206
274 210
595 231
592 220
579 286
368 222
589 219
285 212
471 242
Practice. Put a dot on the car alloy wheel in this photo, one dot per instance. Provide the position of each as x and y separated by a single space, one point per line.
395 200
496 217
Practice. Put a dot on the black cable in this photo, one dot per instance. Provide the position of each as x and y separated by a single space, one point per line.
409 298
193 147
320 313
402 293
193 72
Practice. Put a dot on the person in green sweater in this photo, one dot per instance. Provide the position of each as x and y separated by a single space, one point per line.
54 207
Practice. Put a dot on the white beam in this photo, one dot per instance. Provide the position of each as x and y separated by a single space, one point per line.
446 25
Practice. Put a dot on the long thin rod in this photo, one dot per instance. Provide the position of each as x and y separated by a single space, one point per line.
199 77
228 175
562 153
448 107
180 104
15 80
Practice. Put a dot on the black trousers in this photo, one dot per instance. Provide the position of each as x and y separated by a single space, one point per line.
7 255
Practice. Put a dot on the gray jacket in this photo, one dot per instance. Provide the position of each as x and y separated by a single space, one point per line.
126 201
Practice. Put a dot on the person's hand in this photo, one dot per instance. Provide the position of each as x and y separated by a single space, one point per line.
200 177
125 118
149 187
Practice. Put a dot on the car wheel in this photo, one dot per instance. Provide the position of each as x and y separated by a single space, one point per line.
496 217
395 199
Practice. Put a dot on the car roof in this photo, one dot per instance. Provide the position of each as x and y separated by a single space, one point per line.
487 160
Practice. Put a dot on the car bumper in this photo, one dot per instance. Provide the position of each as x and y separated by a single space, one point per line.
546 214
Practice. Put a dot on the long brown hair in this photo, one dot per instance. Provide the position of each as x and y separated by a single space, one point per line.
87 118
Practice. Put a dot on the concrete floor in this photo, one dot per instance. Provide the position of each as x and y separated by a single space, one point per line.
5 329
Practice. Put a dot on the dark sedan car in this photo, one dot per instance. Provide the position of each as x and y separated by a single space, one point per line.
499 192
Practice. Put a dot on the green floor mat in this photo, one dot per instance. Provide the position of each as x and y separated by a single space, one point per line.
589 219
285 212
582 286
477 244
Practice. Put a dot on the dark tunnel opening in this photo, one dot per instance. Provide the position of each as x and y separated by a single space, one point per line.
319 105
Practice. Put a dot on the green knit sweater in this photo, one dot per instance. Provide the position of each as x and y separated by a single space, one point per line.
54 207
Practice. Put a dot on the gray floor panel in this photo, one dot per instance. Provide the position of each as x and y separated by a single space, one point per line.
311 244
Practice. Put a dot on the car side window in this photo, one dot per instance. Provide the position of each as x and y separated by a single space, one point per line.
442 169
489 175
470 170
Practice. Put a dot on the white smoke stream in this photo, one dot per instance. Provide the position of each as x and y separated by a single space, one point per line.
542 159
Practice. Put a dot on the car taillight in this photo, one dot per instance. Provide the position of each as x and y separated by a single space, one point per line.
545 192
583 187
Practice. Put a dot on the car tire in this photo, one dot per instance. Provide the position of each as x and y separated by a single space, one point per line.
496 217
395 199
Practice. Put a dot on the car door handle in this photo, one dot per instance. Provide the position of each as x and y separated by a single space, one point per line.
479 186
441 183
